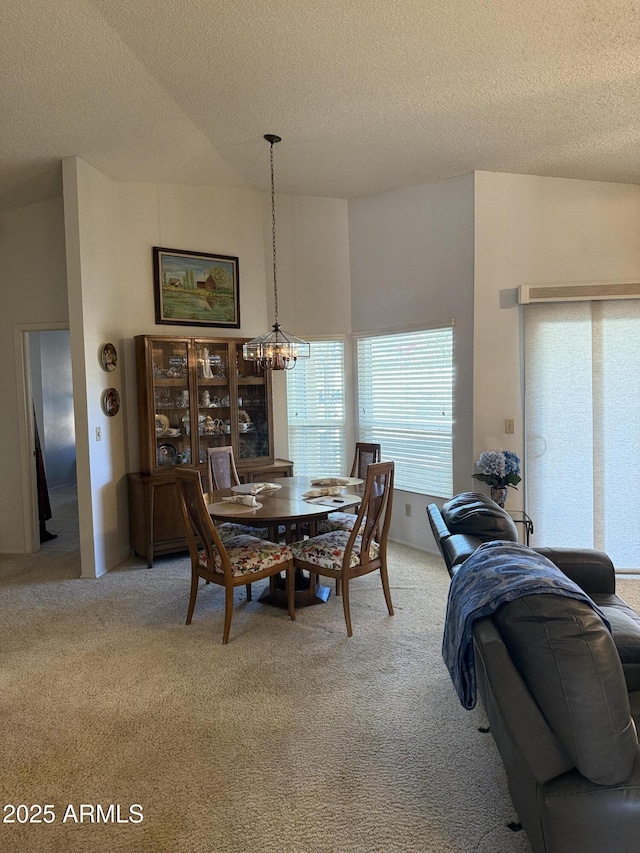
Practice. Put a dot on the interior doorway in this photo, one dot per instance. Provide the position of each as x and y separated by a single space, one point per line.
51 501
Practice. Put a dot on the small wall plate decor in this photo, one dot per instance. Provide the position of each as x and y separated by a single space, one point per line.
111 402
108 357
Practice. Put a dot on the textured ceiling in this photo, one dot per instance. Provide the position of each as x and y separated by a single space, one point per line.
368 95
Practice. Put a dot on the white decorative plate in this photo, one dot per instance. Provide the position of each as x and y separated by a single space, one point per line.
111 402
108 357
162 424
166 454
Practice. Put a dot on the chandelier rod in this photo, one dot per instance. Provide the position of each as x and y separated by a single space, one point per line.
272 139
277 350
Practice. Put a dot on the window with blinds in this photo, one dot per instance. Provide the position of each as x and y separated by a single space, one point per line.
405 403
316 411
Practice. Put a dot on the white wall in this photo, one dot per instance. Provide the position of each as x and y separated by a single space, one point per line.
34 291
199 219
411 257
390 261
95 282
313 282
113 228
536 230
313 269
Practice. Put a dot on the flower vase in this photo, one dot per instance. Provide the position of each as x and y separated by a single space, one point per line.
499 495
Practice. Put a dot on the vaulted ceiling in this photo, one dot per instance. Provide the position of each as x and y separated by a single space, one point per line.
368 95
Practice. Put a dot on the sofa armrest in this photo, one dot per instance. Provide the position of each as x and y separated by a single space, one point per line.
457 548
592 570
438 527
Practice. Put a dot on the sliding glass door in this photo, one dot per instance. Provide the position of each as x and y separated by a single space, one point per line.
582 409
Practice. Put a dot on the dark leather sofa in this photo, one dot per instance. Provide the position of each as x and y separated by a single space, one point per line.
471 518
465 522
468 520
561 692
552 685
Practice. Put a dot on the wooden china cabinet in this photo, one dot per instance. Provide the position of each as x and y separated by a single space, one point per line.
194 393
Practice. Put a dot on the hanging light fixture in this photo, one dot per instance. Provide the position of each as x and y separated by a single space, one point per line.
277 350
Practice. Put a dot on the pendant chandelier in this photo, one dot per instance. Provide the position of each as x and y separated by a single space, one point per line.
277 350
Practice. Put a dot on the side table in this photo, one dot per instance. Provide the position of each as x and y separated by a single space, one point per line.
521 517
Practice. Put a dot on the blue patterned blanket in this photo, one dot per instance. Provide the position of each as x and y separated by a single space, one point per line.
496 573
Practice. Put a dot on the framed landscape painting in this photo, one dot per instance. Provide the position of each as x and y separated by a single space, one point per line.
196 289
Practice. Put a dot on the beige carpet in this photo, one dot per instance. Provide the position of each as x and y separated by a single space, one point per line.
291 739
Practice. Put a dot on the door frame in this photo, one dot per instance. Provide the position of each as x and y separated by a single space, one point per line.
25 429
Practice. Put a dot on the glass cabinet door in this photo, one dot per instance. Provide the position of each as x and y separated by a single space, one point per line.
253 410
214 403
197 393
171 403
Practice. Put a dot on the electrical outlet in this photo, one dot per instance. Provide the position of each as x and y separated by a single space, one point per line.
98 433
407 510
509 426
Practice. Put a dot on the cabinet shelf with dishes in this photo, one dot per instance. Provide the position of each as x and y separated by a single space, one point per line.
184 381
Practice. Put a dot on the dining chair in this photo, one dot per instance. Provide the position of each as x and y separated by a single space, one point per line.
239 561
365 454
223 474
345 555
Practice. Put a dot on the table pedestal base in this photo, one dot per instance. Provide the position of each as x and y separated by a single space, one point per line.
308 591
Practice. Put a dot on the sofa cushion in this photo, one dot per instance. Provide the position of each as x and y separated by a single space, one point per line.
592 570
477 515
569 662
625 627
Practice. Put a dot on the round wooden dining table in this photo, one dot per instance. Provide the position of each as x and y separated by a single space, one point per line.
286 506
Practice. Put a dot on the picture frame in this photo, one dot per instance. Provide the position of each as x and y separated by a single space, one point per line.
196 288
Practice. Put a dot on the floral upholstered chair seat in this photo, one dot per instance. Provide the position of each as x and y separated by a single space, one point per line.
248 554
230 529
327 549
337 521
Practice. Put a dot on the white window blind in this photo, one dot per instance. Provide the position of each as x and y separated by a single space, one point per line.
582 387
405 402
316 411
